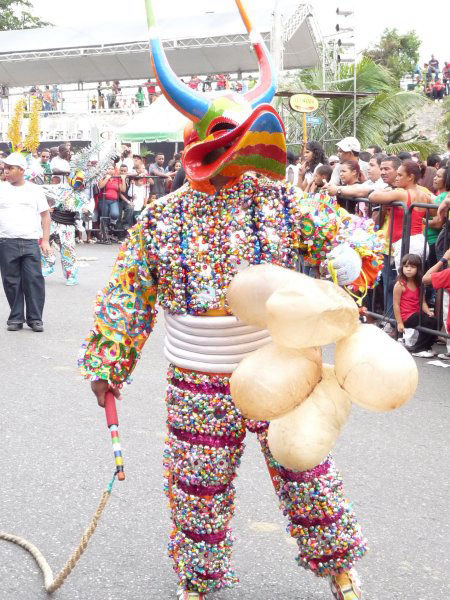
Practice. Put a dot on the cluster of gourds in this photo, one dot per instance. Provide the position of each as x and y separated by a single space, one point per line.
285 382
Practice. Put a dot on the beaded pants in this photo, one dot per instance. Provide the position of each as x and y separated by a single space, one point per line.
62 241
204 447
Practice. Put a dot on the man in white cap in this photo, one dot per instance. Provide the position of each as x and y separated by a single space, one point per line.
24 219
348 149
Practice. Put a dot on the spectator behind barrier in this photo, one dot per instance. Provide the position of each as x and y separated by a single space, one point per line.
408 311
313 157
60 164
439 277
362 190
348 149
156 170
442 187
321 177
292 168
434 160
427 175
407 191
374 150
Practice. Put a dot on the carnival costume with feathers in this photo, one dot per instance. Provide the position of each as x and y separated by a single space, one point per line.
236 211
68 201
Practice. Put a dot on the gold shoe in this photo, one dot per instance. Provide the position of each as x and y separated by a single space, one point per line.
346 586
189 595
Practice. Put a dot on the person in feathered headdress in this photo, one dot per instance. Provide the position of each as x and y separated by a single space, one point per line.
235 211
70 202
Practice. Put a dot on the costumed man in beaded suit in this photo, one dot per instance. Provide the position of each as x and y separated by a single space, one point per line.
67 201
70 202
183 255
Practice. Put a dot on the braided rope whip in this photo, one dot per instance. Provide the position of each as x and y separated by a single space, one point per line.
52 584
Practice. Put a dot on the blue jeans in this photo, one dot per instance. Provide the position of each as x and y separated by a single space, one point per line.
389 277
20 266
110 208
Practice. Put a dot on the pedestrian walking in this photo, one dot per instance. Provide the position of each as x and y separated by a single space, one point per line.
24 219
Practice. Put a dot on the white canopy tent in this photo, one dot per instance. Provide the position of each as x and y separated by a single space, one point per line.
198 45
159 122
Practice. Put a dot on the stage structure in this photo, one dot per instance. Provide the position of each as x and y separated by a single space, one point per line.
63 55
336 50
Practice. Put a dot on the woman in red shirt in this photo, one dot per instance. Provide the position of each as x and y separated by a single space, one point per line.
111 185
408 192
407 305
439 277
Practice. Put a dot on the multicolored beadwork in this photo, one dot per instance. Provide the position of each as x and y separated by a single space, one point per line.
320 517
203 452
183 255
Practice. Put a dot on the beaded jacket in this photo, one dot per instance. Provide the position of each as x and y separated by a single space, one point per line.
184 253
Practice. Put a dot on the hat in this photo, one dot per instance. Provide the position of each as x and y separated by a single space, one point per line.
333 159
16 159
349 144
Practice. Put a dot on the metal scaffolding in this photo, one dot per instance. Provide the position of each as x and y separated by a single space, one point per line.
328 131
63 56
336 49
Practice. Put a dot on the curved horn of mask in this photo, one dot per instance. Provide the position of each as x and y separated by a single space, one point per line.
190 103
264 91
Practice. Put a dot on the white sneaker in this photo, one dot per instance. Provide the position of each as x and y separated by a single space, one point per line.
424 354
445 356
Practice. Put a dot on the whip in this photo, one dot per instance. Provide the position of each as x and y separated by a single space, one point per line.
52 583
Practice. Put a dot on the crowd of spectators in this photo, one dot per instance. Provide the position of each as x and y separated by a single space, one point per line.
129 185
434 79
112 96
367 183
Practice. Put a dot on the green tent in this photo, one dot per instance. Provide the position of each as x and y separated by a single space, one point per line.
159 122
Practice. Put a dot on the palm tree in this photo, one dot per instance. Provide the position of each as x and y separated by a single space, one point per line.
378 115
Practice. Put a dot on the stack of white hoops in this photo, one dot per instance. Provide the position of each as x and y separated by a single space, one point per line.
210 344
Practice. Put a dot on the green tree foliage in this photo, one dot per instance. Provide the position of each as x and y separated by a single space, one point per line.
14 15
397 52
380 116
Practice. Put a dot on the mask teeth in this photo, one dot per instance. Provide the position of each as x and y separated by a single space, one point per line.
187 101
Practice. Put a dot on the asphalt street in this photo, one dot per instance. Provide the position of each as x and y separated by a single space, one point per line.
57 459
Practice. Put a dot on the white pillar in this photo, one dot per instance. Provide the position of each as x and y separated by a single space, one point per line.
276 39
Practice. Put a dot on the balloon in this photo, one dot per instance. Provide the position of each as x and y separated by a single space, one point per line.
302 438
377 372
251 287
273 380
317 314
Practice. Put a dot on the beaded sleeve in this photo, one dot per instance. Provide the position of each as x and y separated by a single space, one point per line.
125 314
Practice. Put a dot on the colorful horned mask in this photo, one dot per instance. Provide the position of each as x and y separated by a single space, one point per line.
228 133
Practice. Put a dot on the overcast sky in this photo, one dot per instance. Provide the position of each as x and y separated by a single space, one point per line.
371 17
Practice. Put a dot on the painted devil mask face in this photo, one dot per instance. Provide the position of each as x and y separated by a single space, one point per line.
228 133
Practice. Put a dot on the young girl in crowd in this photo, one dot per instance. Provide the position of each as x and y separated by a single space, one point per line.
407 305
322 176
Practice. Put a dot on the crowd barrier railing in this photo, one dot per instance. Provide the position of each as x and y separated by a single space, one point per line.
127 216
389 274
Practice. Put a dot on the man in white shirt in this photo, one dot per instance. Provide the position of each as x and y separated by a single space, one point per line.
24 219
60 165
362 190
348 149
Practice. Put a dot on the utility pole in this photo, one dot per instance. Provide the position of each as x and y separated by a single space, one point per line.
276 38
